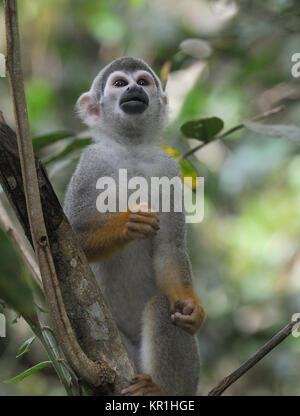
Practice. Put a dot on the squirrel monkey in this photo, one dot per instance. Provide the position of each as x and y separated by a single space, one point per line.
138 256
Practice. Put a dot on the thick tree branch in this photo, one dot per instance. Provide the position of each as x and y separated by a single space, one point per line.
90 318
259 355
94 373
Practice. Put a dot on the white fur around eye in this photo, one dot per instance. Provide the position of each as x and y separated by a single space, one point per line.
109 86
144 75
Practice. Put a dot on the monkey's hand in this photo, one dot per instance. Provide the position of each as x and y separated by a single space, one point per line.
142 385
103 240
141 222
188 314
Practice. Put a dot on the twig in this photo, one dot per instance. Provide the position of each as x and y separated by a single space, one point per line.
17 238
233 129
261 353
93 373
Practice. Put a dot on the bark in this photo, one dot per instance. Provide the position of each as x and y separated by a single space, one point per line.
90 318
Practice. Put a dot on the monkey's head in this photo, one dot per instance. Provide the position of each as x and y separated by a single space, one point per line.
126 99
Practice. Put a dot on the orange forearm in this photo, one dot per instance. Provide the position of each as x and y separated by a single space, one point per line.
175 287
178 293
102 241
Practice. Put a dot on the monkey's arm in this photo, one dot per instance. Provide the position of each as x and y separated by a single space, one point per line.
102 234
108 233
173 273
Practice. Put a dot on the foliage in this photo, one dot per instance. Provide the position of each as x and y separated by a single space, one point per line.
227 65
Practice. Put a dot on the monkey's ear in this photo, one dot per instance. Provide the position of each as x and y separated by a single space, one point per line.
88 108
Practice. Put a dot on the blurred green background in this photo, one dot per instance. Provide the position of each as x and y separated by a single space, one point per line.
245 253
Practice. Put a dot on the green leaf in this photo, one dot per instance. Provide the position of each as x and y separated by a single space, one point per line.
276 130
47 139
188 171
75 145
28 372
25 347
203 129
186 168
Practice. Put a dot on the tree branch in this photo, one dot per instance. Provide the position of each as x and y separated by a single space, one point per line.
90 318
19 242
98 373
259 355
233 129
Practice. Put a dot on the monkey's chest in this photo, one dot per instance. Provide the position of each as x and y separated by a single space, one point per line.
134 183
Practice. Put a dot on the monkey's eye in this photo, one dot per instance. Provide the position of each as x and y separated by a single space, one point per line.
120 83
142 81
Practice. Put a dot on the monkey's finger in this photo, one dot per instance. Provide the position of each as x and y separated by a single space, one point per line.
154 222
134 388
195 318
188 310
140 377
149 214
189 326
141 228
191 323
142 385
198 314
190 329
180 318
188 306
142 208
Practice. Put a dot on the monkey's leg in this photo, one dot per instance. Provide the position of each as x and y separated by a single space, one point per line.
168 354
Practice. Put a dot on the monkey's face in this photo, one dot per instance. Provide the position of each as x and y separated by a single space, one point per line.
130 91
131 103
131 99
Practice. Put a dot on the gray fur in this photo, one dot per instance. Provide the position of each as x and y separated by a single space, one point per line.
128 65
174 362
129 279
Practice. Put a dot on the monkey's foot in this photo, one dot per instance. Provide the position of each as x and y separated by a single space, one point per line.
142 385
